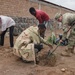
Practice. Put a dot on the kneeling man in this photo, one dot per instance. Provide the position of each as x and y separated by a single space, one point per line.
28 44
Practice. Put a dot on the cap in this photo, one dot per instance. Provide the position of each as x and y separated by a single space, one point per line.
57 15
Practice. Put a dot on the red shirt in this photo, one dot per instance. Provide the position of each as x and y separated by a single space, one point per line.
41 16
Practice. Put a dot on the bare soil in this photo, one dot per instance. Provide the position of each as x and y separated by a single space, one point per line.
55 65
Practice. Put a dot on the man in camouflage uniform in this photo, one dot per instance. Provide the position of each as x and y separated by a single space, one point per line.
28 43
68 22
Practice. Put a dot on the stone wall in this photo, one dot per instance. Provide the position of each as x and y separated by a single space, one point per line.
22 23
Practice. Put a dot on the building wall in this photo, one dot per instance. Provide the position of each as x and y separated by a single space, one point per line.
16 7
19 11
20 8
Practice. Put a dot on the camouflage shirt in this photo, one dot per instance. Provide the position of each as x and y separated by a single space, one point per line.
67 20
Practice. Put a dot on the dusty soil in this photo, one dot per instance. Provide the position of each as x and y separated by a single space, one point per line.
12 65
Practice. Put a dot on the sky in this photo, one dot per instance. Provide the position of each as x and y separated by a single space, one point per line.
65 3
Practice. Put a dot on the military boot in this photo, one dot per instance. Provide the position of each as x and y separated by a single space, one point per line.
67 53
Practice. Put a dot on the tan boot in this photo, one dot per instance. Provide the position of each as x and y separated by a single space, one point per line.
67 53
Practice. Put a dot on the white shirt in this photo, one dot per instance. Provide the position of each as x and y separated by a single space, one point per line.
6 22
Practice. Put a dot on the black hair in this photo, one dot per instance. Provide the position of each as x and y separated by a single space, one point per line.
41 26
32 10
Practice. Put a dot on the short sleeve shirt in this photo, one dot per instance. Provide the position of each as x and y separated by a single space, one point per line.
41 16
6 22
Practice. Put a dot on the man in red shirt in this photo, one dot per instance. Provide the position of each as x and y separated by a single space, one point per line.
41 16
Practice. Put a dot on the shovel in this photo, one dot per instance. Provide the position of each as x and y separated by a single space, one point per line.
50 53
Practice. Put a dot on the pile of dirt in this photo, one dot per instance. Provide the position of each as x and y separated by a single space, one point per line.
46 60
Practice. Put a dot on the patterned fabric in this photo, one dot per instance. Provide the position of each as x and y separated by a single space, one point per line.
68 19
26 53
71 41
24 45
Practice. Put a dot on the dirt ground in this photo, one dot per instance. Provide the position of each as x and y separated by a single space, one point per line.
12 65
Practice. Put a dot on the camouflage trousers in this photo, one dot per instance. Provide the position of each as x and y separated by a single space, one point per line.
71 39
25 52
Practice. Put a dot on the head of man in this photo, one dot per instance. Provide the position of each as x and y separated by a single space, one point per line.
58 17
32 11
41 28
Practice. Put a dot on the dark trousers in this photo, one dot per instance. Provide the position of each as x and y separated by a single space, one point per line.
38 46
11 29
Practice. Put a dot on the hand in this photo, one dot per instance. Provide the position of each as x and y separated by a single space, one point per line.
60 41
